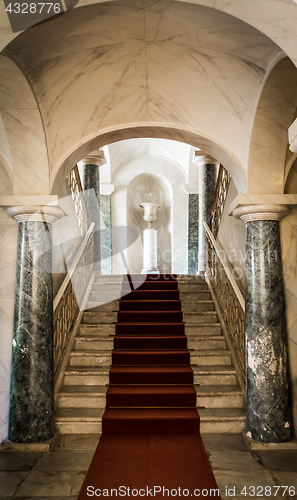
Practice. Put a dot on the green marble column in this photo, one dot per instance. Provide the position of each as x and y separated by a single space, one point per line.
193 233
31 413
105 218
207 186
90 179
268 403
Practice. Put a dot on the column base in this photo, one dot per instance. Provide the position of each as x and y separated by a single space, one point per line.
257 445
150 271
7 445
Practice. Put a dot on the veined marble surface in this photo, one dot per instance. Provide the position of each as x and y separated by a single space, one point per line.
24 131
275 113
4 147
264 17
31 412
289 254
231 235
124 151
117 65
8 243
269 417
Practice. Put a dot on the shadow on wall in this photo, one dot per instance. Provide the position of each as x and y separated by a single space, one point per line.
150 188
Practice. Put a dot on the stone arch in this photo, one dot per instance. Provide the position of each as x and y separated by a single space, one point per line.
198 139
269 142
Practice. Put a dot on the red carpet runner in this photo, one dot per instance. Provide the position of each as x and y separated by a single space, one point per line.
150 444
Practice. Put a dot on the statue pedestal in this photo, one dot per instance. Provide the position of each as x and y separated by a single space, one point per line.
150 252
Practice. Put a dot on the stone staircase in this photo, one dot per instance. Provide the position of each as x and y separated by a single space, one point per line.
81 400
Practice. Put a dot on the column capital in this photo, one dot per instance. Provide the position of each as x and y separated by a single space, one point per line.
251 213
249 208
192 188
96 157
35 213
201 158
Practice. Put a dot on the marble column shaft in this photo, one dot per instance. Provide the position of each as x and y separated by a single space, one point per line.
31 414
207 185
269 417
193 224
91 181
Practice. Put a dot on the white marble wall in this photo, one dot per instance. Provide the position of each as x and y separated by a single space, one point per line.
8 241
124 151
275 113
151 188
289 255
178 210
288 227
25 144
231 235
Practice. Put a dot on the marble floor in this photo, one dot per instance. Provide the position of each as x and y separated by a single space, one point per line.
59 473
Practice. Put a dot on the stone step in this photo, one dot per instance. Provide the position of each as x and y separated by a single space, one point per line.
95 397
93 318
198 277
198 295
203 329
210 357
99 375
198 357
214 375
103 306
222 420
79 420
209 342
106 288
100 329
89 420
106 342
200 317
82 396
197 305
191 286
87 375
212 396
108 278
103 343
105 296
93 358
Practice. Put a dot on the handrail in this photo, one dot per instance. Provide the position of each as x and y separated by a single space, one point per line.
228 300
224 261
69 300
71 271
78 198
220 198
